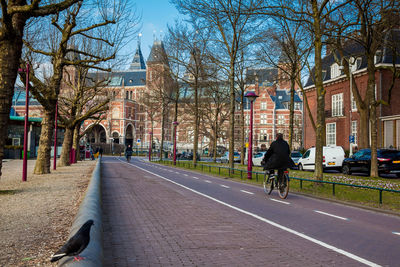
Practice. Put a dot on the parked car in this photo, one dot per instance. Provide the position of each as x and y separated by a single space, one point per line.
188 156
257 158
225 157
388 162
333 157
296 156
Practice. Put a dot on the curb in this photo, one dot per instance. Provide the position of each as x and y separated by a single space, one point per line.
90 208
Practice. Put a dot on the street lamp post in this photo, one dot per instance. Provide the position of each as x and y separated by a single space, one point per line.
25 163
55 139
175 123
150 144
250 95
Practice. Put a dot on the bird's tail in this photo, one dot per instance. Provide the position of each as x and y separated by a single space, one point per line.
56 257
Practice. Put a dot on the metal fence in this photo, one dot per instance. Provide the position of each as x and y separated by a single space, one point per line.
260 175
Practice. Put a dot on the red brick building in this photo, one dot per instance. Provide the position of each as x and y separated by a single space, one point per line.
341 115
271 109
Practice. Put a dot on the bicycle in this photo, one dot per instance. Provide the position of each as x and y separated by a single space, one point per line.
128 157
271 180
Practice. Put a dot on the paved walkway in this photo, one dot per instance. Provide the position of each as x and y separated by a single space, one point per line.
151 222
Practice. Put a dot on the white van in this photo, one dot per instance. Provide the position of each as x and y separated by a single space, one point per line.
333 157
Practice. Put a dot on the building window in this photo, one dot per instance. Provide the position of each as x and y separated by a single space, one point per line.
297 119
263 135
263 119
247 119
354 131
127 95
388 134
263 106
281 119
355 63
297 106
335 71
331 134
353 103
337 105
130 95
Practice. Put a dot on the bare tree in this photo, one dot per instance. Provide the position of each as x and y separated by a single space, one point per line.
75 25
14 15
79 100
157 99
214 112
285 45
369 30
230 22
314 15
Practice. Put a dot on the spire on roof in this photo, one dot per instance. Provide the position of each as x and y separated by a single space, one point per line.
138 60
158 54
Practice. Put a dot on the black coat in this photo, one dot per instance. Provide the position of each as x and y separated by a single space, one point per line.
278 156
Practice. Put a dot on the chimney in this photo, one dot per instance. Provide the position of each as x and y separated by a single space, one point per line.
257 87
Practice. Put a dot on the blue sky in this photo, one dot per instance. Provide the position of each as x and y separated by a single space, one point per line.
156 14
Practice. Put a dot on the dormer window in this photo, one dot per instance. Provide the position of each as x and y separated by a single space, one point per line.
335 70
355 64
378 57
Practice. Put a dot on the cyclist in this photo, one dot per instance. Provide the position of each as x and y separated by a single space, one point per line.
128 153
278 157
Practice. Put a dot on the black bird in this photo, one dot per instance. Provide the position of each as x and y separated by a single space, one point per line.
76 244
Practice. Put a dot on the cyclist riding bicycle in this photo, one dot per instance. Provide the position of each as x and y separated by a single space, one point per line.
128 152
278 157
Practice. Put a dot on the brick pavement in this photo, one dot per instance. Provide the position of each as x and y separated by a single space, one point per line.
151 222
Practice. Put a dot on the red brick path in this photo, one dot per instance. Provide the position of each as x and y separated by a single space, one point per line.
151 222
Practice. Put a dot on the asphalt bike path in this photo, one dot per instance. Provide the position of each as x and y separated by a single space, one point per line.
302 229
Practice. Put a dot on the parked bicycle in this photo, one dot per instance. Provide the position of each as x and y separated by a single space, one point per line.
271 181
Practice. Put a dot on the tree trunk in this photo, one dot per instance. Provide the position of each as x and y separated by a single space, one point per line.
372 116
46 137
196 122
242 130
291 108
320 138
75 144
215 135
232 115
10 53
363 141
66 148
162 131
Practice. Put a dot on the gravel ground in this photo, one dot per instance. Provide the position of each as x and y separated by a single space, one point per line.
35 216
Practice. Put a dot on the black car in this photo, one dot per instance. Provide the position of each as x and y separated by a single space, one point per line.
388 162
188 156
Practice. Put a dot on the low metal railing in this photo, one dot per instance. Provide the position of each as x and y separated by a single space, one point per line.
231 171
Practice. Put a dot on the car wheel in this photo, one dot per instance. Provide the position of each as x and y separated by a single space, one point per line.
346 169
301 167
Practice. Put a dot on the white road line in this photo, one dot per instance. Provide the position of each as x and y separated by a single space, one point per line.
224 186
280 201
177 172
195 177
207 181
396 233
334 216
185 174
247 192
277 225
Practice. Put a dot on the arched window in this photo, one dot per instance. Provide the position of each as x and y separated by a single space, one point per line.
335 71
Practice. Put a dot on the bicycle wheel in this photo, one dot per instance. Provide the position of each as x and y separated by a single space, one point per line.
283 188
268 183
